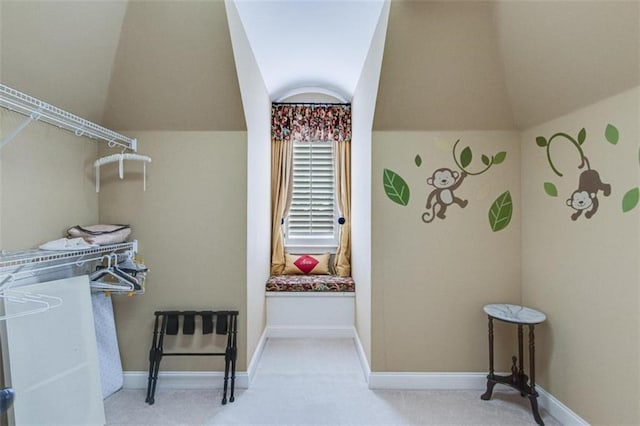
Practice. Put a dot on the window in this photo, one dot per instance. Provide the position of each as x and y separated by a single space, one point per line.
310 178
312 218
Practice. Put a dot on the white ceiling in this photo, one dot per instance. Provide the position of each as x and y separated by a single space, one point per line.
310 45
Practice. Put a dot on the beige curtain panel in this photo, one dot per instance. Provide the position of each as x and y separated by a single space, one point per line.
281 189
343 196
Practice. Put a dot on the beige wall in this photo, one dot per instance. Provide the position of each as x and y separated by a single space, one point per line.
47 183
430 281
363 108
196 194
191 226
257 110
585 274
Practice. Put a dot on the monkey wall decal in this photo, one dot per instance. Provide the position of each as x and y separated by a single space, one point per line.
444 181
585 198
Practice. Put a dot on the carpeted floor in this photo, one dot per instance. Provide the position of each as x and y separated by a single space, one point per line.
313 382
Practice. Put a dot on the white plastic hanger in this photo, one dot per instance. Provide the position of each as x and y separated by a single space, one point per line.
120 159
124 281
35 303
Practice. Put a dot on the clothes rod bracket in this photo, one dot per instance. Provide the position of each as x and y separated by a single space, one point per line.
33 116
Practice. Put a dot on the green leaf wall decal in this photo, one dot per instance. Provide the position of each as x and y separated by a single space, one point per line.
395 187
465 157
418 160
541 141
630 199
582 136
611 133
499 157
550 189
485 160
500 212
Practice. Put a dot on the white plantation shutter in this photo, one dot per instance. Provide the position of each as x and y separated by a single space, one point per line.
312 218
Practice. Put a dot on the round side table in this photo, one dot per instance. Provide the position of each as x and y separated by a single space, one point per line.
520 316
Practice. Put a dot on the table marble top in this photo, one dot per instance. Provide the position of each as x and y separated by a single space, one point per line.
514 313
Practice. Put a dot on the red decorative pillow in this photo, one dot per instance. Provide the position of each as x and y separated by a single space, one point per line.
306 264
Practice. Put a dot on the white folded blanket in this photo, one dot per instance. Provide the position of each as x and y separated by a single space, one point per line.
67 244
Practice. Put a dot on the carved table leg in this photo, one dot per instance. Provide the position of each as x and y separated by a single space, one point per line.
490 378
521 381
534 409
533 397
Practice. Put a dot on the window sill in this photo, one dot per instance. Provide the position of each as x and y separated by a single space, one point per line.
309 249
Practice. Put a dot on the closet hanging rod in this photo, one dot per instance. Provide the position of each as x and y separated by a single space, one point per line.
35 257
38 110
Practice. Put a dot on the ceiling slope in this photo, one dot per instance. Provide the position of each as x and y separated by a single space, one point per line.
174 69
61 52
442 69
503 64
169 65
562 55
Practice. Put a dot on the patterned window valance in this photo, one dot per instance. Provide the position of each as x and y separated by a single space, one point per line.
311 122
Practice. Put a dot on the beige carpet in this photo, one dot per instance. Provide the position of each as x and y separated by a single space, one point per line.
314 382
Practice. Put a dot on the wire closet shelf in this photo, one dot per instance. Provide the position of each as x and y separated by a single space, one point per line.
14 264
38 110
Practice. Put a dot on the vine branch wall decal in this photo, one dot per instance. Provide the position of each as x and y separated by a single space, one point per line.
542 142
466 156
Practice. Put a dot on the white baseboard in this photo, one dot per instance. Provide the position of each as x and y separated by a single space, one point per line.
310 331
557 409
184 380
428 381
364 363
376 380
467 381
257 354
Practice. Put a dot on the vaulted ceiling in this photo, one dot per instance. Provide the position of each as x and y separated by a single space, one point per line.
61 52
129 65
503 64
168 65
174 69
442 69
